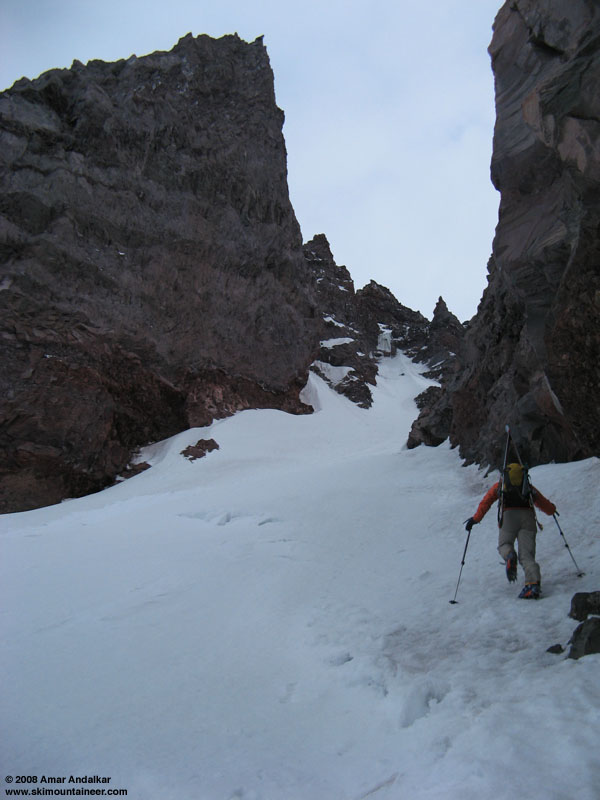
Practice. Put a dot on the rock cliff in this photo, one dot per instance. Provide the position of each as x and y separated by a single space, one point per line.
152 267
531 355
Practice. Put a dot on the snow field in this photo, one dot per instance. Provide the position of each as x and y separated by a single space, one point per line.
271 622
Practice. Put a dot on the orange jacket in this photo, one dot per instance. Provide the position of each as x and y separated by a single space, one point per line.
494 494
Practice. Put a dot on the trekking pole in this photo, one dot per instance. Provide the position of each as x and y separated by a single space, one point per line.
462 563
580 574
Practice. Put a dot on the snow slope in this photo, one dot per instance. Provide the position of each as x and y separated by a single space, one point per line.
272 622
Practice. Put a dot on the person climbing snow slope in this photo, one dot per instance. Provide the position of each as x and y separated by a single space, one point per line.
516 522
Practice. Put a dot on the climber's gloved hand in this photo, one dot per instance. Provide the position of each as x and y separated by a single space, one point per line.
469 524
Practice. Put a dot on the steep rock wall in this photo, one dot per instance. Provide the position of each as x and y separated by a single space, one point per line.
532 353
152 266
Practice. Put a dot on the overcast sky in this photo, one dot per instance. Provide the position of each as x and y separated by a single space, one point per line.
389 110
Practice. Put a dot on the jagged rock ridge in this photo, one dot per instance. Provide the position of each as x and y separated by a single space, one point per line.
360 327
531 356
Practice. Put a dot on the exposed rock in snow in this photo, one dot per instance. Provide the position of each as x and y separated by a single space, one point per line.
583 604
200 449
586 639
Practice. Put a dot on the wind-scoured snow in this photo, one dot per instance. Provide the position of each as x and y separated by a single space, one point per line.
272 621
333 374
332 321
329 343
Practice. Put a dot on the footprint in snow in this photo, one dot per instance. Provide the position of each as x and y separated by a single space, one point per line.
339 660
268 520
420 701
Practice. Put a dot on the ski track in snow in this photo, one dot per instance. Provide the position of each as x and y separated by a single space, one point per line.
271 622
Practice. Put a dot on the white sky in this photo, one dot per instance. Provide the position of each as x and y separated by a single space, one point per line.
389 110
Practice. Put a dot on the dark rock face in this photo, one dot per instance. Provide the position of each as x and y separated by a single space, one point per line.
346 357
531 356
583 604
409 329
444 344
152 268
585 639
443 351
360 327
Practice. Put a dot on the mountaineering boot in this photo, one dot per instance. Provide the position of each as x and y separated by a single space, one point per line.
511 566
530 591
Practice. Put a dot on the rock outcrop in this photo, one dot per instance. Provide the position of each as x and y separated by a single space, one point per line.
583 604
345 358
358 328
443 351
531 355
585 640
152 267
195 451
444 344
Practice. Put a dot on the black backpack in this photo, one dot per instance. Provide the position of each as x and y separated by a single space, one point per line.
516 495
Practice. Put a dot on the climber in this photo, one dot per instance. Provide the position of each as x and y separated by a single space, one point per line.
517 521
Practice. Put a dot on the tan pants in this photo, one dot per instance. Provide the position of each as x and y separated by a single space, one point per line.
519 524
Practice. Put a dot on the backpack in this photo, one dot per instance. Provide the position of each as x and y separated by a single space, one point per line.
516 489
